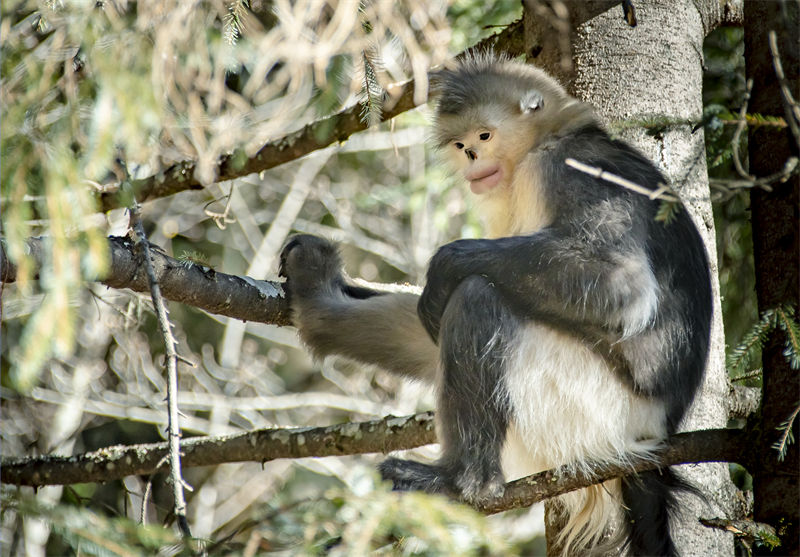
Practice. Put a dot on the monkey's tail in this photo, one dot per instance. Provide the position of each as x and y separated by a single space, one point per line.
650 500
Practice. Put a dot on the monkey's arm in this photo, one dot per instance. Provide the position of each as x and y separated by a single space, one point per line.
555 275
335 317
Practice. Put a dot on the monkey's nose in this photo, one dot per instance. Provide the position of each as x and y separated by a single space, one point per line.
471 155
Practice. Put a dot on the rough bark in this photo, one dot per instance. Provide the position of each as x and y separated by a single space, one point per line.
654 71
186 282
384 435
776 248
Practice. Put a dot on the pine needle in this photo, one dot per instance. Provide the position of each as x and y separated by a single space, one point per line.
753 340
667 211
371 92
788 323
787 437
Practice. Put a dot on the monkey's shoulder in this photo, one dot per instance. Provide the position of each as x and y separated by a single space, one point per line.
592 146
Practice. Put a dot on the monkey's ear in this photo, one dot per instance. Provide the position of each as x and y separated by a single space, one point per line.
531 102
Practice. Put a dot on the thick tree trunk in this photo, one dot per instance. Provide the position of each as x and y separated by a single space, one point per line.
648 72
776 246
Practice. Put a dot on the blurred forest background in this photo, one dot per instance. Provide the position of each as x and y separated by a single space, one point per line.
86 86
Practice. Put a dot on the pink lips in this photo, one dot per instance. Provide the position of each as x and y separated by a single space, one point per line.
482 180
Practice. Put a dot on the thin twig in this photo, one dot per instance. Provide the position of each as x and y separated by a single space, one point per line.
749 375
747 529
597 172
148 489
222 220
790 106
737 162
173 424
726 188
753 123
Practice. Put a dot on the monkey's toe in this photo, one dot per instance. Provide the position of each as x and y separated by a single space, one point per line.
476 487
407 475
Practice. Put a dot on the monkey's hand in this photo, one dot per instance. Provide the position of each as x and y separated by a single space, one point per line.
447 269
335 316
311 266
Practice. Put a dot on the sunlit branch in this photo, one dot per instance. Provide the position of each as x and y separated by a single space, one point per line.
316 135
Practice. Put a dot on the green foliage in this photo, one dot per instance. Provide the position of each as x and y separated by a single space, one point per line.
371 91
767 538
787 435
719 149
723 93
755 120
667 211
88 533
377 522
51 136
93 92
789 325
753 340
233 20
723 57
463 15
192 257
781 318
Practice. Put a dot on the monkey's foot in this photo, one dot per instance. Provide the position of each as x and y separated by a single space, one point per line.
470 484
407 475
480 485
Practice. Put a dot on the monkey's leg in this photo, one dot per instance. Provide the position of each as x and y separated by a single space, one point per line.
473 406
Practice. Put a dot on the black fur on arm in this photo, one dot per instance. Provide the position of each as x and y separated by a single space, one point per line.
553 276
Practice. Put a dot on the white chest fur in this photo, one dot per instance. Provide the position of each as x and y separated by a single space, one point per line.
569 406
568 409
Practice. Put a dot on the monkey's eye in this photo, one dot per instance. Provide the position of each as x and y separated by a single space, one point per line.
485 136
459 145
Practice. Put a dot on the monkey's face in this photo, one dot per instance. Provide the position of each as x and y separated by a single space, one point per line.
475 155
485 148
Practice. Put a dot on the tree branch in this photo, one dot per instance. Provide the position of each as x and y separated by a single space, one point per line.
182 281
743 401
173 422
712 445
181 176
385 435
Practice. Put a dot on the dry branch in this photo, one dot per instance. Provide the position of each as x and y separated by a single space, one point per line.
712 445
385 435
182 281
173 421
743 401
316 135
